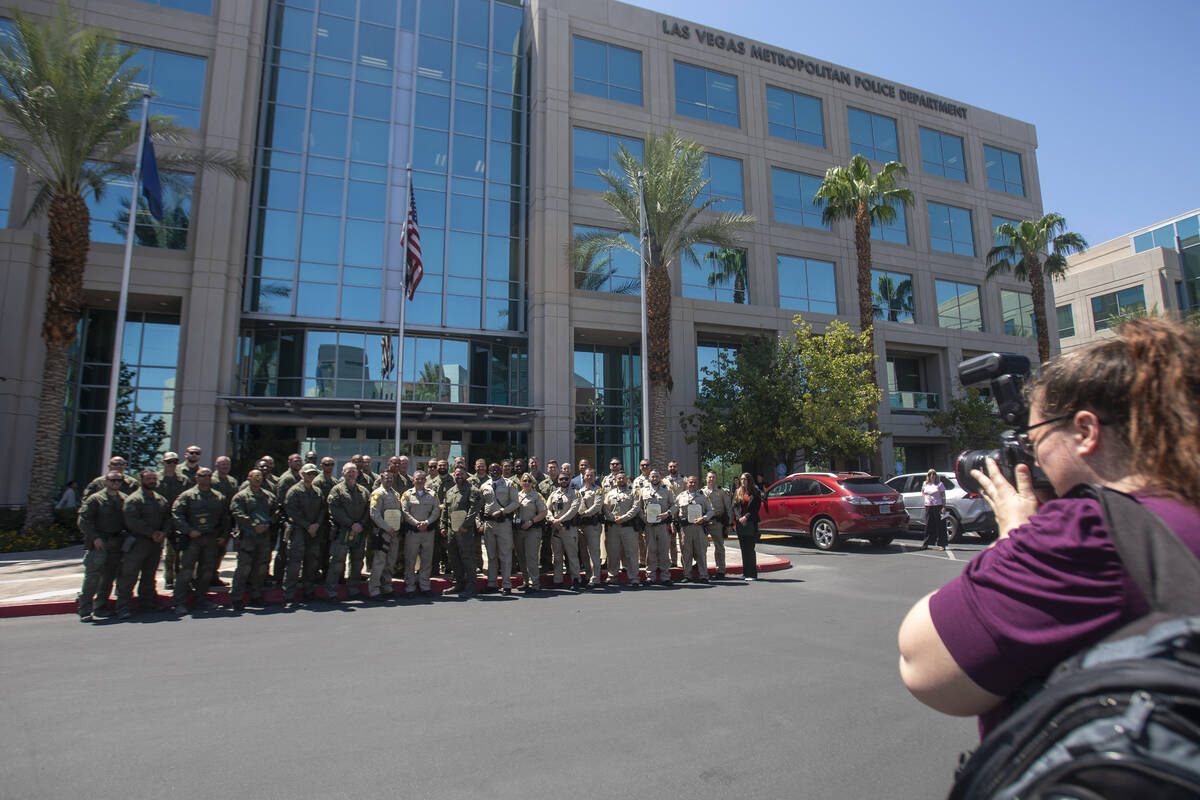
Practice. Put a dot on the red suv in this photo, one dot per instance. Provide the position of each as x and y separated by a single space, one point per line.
831 506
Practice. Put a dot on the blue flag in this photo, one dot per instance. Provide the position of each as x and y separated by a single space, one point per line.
151 187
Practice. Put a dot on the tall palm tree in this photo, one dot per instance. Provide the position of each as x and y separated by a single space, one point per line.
1031 250
678 220
68 90
594 268
893 297
856 193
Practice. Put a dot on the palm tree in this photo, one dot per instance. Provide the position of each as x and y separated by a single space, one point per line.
677 221
594 268
68 90
1031 250
856 193
729 265
893 297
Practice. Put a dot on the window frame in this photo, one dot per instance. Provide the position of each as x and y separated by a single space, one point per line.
711 112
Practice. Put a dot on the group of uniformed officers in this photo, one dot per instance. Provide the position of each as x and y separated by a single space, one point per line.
582 531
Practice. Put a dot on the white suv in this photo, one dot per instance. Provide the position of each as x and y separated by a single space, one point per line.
964 511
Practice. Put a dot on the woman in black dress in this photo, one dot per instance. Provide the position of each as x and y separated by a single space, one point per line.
746 502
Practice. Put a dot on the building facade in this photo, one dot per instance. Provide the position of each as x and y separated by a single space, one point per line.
1152 270
260 310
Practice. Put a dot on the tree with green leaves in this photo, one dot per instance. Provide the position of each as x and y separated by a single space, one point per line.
865 197
67 92
803 392
1031 250
970 422
678 220
140 440
892 298
595 271
729 267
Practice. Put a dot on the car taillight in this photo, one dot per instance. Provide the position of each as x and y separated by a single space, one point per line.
972 496
856 500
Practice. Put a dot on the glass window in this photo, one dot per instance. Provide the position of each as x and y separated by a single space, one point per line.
795 116
607 403
794 196
1003 170
872 135
1017 312
895 231
594 151
614 270
608 71
6 189
707 354
942 155
1066 322
997 239
706 94
110 215
807 284
950 229
724 176
892 296
718 273
177 81
194 6
958 306
1110 309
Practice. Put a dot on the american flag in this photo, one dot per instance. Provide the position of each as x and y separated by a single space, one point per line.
412 271
385 344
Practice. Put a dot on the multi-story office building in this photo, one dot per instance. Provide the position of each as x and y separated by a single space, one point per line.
258 309
1152 270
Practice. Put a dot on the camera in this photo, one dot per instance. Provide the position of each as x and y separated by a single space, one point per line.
1006 373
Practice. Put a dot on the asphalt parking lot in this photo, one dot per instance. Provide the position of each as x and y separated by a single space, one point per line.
786 687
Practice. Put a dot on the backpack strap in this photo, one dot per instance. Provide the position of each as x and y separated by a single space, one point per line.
1162 567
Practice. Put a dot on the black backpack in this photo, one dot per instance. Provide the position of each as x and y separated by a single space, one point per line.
1122 718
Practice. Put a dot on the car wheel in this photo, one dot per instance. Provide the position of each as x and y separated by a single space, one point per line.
825 534
953 527
881 541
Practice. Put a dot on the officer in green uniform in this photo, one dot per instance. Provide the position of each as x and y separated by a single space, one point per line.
171 483
350 517
437 484
252 509
460 511
147 520
365 476
115 464
480 476
102 523
306 514
324 483
226 485
201 520
192 464
289 478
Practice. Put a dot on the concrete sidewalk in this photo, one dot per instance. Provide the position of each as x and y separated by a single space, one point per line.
46 581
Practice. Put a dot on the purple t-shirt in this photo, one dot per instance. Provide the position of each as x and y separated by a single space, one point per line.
1052 588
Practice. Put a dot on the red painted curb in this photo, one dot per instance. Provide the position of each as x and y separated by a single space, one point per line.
275 596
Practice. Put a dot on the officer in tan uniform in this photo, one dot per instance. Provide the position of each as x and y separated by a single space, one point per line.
657 505
722 519
564 533
421 512
388 515
693 511
147 520
499 501
676 484
460 515
622 510
527 528
590 518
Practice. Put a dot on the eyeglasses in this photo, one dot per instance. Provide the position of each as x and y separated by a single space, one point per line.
1030 444
193 452
526 480
113 480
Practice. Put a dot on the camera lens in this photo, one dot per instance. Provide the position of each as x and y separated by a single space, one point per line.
973 459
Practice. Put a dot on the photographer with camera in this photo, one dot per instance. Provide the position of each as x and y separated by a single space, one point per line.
1122 413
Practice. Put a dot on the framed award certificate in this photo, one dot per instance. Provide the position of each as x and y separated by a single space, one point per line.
694 512
393 518
653 511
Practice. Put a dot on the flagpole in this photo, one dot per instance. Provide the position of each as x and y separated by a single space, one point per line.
403 305
114 381
643 246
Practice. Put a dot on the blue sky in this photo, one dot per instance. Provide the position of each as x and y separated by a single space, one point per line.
1111 86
